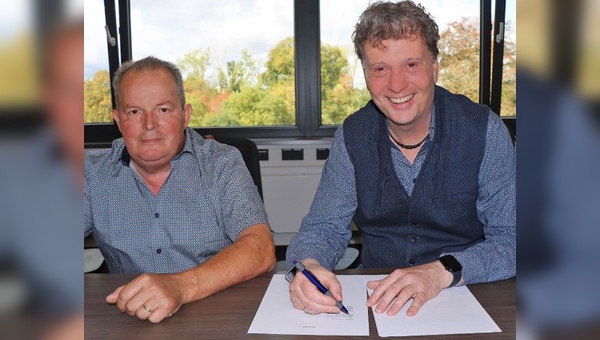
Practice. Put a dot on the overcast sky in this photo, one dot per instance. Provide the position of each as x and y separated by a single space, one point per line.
170 29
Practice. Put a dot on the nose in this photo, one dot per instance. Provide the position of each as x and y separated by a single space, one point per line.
397 81
149 120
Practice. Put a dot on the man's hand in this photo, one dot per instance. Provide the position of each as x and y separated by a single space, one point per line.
305 296
150 297
421 283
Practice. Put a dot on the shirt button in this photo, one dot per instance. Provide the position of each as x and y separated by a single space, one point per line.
414 180
158 251
413 239
157 215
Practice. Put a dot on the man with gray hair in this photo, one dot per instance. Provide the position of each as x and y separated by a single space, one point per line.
165 203
427 176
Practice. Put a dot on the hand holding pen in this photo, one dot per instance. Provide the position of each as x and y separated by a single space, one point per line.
305 297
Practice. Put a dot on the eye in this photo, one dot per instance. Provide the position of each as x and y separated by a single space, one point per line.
164 110
134 111
413 65
378 71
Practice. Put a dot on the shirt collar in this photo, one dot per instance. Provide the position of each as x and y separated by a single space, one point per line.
188 145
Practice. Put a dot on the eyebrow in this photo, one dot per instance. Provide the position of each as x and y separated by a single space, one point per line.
129 106
379 63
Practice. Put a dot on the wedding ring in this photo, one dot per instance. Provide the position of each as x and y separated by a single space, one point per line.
147 309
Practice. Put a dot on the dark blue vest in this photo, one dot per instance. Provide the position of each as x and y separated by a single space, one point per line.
440 216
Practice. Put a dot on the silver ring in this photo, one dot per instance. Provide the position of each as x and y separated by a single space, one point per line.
305 310
147 309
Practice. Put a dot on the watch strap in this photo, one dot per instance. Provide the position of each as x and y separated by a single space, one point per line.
454 267
455 278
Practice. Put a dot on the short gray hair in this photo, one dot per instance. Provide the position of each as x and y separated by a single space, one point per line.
388 20
148 64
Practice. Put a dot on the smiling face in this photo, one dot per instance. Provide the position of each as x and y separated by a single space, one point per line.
151 118
401 76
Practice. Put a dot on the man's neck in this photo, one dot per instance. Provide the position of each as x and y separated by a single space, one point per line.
412 133
154 178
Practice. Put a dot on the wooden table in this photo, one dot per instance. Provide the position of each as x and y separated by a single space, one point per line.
228 314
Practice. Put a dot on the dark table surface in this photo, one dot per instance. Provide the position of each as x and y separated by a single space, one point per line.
215 318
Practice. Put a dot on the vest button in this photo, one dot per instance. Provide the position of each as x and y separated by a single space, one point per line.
411 263
413 239
158 251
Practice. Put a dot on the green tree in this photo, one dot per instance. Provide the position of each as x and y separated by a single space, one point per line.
97 101
267 99
238 74
199 93
509 77
459 63
459 58
196 63
333 66
257 106
280 65
343 100
338 96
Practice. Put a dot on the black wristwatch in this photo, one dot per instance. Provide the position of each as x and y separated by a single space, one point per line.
454 267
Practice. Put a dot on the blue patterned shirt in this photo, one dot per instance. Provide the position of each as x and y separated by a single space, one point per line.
206 202
326 230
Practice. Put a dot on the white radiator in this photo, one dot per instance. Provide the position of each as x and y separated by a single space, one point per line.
289 186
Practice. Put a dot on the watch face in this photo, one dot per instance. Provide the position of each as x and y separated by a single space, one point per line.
450 263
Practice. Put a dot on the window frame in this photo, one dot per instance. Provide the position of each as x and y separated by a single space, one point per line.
307 41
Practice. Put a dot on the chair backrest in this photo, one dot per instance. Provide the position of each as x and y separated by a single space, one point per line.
249 153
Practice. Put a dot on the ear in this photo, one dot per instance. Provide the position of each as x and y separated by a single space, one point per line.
435 71
115 115
187 112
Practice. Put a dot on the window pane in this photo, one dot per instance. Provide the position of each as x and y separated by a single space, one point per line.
343 87
458 22
237 56
508 105
97 102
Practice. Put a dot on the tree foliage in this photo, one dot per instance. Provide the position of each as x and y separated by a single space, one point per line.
459 63
245 92
96 101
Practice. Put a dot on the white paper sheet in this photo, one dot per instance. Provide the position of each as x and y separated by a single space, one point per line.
454 311
276 315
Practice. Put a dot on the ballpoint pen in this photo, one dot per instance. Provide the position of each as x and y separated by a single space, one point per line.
311 277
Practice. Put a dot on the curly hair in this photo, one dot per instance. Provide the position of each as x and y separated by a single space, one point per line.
388 20
149 64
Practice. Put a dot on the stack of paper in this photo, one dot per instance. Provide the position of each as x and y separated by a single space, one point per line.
453 311
276 315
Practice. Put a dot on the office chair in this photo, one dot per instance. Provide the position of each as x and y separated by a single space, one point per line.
249 153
